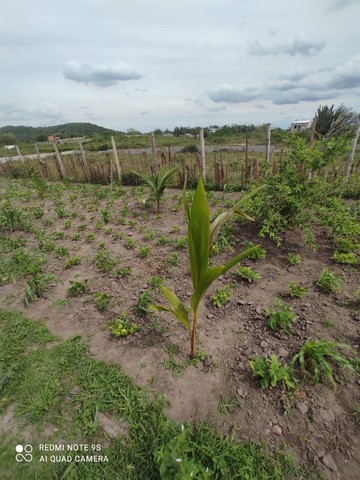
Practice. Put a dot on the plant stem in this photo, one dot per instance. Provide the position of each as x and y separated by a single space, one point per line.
193 336
158 205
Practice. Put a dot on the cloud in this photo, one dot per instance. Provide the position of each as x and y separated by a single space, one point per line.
44 113
100 75
346 76
338 4
296 46
227 93
317 85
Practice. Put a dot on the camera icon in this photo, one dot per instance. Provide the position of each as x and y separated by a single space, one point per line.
23 453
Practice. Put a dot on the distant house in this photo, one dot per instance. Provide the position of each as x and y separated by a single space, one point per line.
300 126
52 138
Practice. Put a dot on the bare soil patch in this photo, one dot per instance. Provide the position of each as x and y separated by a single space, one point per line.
316 422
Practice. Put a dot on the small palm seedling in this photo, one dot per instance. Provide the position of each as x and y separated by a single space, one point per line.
220 297
77 288
272 373
297 291
157 183
121 327
316 358
349 258
38 285
280 316
200 238
294 258
329 282
247 273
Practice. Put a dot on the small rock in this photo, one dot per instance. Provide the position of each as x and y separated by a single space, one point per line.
321 454
209 316
277 430
264 344
241 302
327 415
241 392
328 461
258 310
303 409
283 352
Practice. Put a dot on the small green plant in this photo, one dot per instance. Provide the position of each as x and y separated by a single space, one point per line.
102 301
75 237
356 414
163 240
121 327
226 405
144 251
220 297
328 323
73 261
77 288
105 215
38 285
61 251
257 252
89 238
175 367
155 282
296 290
294 258
123 272
329 282
174 259
345 258
280 316
129 243
149 234
317 356
272 373
181 243
103 260
142 306
67 224
82 227
247 273
61 302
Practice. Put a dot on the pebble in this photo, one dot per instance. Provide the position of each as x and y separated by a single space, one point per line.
277 430
241 392
328 461
283 352
209 316
264 344
303 409
327 415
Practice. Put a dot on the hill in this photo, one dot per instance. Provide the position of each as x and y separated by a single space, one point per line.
66 130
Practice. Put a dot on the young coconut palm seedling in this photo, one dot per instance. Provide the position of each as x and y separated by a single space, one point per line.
200 237
158 182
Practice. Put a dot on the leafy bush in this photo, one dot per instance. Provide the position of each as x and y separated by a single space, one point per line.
272 373
77 288
38 285
345 258
144 301
102 301
294 258
296 290
220 297
120 326
281 316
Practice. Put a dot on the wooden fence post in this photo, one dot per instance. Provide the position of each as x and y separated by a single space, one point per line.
202 154
59 163
18 152
85 162
41 163
268 139
153 149
117 164
352 153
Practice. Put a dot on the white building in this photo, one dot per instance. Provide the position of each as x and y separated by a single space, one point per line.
300 126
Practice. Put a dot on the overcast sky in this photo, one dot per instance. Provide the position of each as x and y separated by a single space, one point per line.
160 64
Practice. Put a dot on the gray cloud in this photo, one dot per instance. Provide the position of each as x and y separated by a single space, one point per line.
320 85
45 111
100 75
227 93
296 46
338 4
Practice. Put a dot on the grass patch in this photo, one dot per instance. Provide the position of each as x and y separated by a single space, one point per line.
60 384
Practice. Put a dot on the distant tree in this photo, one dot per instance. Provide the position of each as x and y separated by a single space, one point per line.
7 139
42 137
331 122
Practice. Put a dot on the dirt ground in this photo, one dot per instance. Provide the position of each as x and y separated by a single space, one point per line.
315 422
